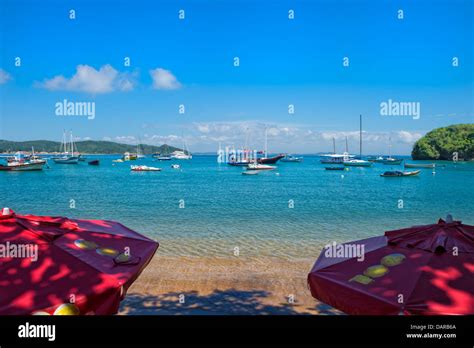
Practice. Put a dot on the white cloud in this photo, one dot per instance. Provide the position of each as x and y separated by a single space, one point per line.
4 77
408 137
293 138
297 138
88 79
125 139
164 79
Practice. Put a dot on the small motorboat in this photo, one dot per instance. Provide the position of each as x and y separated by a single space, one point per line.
397 173
19 163
163 158
292 159
94 162
21 166
144 169
420 165
259 166
118 160
250 172
175 166
334 168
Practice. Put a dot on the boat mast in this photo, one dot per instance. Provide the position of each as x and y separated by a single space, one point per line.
63 146
72 146
389 147
185 146
347 147
266 142
334 145
360 136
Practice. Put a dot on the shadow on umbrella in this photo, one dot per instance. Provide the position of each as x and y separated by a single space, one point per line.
424 270
82 266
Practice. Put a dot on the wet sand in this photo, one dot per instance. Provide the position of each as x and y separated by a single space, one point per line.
173 285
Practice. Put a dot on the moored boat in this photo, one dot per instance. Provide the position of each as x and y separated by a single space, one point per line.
393 161
127 156
19 163
270 160
94 162
335 158
334 168
357 163
420 165
389 160
144 169
239 164
21 167
66 160
67 149
397 173
292 159
265 159
181 155
260 166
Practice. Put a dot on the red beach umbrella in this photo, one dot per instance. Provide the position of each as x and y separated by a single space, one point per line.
56 265
426 270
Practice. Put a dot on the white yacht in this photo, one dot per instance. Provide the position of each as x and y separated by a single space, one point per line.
181 155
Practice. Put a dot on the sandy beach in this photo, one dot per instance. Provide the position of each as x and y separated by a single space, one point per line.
204 285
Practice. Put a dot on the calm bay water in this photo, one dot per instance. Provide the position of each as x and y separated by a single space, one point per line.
224 209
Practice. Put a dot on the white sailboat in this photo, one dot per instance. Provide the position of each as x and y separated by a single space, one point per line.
335 158
67 149
139 152
358 162
182 154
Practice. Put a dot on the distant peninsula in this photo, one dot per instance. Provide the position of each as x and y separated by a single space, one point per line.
86 147
443 143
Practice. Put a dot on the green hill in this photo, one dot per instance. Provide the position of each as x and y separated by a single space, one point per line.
89 146
442 143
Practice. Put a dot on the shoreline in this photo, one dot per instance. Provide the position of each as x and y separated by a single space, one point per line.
172 285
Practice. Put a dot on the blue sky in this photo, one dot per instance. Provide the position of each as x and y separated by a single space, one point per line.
190 62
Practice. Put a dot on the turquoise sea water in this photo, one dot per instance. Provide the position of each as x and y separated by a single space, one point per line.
224 209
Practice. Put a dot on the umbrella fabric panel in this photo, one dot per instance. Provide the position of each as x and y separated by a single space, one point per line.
11 231
435 238
28 286
109 227
368 287
108 247
369 244
92 269
446 286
